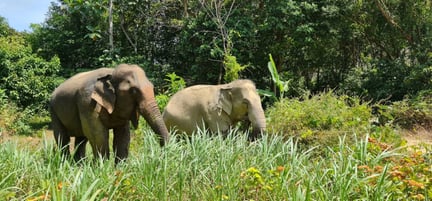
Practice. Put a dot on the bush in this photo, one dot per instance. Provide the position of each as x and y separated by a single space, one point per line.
175 83
31 80
322 119
11 119
410 113
232 68
28 80
3 98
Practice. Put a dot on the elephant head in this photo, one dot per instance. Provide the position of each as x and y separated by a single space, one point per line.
124 95
240 100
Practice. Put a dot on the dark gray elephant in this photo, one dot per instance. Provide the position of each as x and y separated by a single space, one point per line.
216 107
88 104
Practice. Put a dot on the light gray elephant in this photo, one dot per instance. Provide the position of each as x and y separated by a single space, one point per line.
88 104
216 107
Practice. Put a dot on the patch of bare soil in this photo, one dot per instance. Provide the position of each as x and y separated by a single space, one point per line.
417 136
33 142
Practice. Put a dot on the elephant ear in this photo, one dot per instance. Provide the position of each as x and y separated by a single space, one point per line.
104 93
224 100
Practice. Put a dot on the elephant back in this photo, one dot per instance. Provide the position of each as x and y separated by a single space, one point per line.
83 79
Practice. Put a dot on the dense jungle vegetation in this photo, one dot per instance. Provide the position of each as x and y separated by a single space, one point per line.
339 79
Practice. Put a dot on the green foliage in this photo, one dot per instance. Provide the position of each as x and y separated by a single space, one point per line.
27 78
370 49
259 185
3 98
5 29
175 83
412 113
26 82
232 68
31 80
73 32
282 86
403 176
8 113
12 120
214 168
16 121
322 119
325 111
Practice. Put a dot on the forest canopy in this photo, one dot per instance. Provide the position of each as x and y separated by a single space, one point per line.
372 49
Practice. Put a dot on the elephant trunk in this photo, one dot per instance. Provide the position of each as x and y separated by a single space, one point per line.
258 121
150 111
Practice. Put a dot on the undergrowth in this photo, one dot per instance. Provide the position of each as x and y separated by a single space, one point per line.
410 113
322 119
214 168
18 121
323 147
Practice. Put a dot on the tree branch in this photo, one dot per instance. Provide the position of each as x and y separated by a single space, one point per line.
127 35
387 15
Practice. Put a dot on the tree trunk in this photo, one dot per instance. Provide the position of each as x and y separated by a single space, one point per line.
110 28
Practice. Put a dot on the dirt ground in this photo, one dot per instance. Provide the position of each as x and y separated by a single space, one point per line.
417 137
413 137
29 141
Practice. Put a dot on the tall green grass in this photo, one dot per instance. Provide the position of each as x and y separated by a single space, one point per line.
206 168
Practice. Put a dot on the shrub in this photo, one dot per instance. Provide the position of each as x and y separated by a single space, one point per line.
409 113
27 79
404 176
3 98
26 82
12 121
320 119
232 68
31 80
175 83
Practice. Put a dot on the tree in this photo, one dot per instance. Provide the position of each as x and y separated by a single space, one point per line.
368 48
75 31
27 79
5 29
220 12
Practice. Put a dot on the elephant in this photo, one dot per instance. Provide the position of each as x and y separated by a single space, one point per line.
89 104
216 107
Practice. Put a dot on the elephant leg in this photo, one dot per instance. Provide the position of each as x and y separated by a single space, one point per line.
80 148
100 145
121 142
61 136
97 135
62 140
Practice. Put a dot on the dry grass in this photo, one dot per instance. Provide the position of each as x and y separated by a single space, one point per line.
417 136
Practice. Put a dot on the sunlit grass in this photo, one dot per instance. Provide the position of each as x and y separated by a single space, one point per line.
213 168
